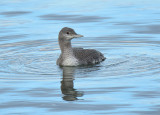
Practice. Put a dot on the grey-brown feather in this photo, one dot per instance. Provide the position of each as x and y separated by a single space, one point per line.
75 56
59 60
88 56
85 56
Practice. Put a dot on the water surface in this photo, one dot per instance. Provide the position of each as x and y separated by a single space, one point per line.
127 33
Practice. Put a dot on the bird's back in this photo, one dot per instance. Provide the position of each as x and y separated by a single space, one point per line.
88 56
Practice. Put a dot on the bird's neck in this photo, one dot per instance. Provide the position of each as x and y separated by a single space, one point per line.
66 48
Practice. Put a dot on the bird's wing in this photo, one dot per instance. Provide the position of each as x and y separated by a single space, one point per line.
88 56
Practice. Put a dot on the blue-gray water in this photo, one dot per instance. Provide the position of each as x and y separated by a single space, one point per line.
126 83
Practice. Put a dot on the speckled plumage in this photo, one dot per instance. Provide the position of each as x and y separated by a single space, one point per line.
88 56
75 56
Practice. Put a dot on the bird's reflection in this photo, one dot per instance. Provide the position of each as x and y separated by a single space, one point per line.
67 85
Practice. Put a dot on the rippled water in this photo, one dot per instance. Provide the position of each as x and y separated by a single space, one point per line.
127 82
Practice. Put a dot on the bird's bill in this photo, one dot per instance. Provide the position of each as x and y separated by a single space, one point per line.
78 36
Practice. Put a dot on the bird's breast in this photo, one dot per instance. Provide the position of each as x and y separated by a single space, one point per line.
70 61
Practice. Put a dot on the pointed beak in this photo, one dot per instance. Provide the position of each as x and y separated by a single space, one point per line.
78 36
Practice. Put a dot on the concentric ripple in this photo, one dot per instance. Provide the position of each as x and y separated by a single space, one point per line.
41 60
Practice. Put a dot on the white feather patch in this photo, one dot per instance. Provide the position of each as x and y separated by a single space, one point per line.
70 61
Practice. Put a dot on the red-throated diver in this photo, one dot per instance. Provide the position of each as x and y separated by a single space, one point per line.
75 56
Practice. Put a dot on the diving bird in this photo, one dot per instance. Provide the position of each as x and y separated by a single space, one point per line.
75 56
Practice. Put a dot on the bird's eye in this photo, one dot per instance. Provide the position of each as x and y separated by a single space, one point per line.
67 32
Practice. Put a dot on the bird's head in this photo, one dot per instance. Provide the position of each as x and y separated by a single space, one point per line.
68 34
